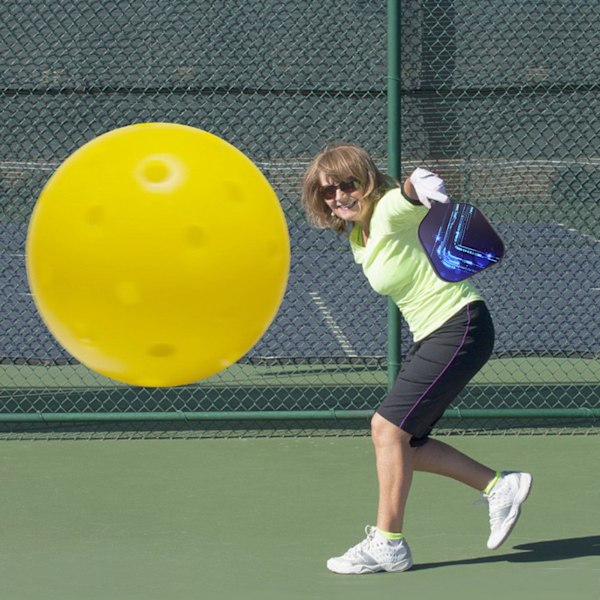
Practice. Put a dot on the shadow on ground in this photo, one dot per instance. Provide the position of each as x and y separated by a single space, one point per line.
532 552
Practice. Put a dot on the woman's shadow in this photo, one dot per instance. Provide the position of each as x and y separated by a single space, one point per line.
533 552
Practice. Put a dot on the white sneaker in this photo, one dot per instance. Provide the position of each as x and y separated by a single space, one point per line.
504 501
371 555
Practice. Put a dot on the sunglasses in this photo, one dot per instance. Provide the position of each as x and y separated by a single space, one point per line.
347 186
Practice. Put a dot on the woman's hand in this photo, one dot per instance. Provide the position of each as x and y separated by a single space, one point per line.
426 186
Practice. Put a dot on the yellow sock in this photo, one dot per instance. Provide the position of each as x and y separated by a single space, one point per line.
492 483
391 537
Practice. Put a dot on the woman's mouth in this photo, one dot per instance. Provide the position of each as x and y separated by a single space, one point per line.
349 206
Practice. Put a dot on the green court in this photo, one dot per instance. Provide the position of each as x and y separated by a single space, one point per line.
257 519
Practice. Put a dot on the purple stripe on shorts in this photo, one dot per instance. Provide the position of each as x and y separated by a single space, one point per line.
462 343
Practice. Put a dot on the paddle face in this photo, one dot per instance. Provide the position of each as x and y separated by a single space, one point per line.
459 241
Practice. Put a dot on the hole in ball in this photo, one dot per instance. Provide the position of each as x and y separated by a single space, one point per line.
161 350
156 171
95 215
194 236
160 173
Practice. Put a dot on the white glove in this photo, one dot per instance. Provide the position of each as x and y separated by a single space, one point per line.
428 187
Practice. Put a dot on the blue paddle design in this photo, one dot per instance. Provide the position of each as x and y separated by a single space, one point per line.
459 241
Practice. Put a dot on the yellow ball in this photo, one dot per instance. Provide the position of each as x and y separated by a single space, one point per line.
158 254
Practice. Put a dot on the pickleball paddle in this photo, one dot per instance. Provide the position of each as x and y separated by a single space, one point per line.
459 241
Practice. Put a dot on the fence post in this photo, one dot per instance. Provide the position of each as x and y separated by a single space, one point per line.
393 146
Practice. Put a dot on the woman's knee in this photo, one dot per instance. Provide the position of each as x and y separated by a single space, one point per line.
385 432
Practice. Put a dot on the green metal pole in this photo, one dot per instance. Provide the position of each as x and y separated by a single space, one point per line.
394 352
285 415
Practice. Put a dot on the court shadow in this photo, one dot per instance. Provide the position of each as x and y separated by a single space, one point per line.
532 552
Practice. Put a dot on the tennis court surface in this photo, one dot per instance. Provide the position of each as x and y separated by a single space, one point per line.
257 518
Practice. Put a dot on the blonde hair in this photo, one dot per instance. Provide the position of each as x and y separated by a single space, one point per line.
340 161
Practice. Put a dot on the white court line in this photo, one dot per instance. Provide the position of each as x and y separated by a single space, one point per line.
343 341
30 165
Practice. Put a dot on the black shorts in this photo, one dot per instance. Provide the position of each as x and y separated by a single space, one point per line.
436 370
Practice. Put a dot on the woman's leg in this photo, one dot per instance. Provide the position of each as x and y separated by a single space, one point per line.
397 460
440 458
394 458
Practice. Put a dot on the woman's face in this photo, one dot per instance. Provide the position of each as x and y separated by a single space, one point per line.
344 198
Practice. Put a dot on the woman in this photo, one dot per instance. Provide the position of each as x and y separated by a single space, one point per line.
453 337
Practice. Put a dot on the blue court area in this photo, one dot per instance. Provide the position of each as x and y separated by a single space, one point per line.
540 296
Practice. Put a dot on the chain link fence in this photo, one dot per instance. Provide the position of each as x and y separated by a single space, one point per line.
500 98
